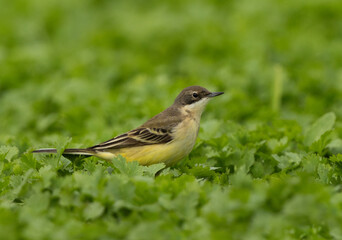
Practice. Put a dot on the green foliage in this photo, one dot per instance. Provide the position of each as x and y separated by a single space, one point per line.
268 160
318 128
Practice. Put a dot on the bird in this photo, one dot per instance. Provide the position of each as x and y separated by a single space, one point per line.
166 138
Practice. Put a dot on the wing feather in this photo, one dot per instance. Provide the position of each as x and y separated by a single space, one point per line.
136 137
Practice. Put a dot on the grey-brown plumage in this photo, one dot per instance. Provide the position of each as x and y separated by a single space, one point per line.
158 130
187 95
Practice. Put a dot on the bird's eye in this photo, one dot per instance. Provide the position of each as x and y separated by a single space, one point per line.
195 95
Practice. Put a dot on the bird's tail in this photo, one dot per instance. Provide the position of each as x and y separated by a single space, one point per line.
69 152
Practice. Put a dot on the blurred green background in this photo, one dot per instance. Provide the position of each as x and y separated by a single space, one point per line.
93 69
71 67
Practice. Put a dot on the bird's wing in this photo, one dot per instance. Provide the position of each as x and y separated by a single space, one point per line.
137 137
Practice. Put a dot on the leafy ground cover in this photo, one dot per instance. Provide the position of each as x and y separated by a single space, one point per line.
267 164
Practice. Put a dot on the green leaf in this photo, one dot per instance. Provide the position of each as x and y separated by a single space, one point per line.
47 174
129 169
28 161
336 158
184 204
2 164
8 152
118 188
18 182
319 145
319 127
241 179
325 173
277 145
335 146
89 165
90 185
288 161
153 169
248 159
61 145
93 210
310 163
38 202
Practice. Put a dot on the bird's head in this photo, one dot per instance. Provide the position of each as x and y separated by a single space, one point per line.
194 99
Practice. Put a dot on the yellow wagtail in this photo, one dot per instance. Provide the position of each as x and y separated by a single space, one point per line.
165 138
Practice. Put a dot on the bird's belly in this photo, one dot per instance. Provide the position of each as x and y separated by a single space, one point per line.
152 154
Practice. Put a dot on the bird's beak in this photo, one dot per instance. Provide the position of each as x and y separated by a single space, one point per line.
214 94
